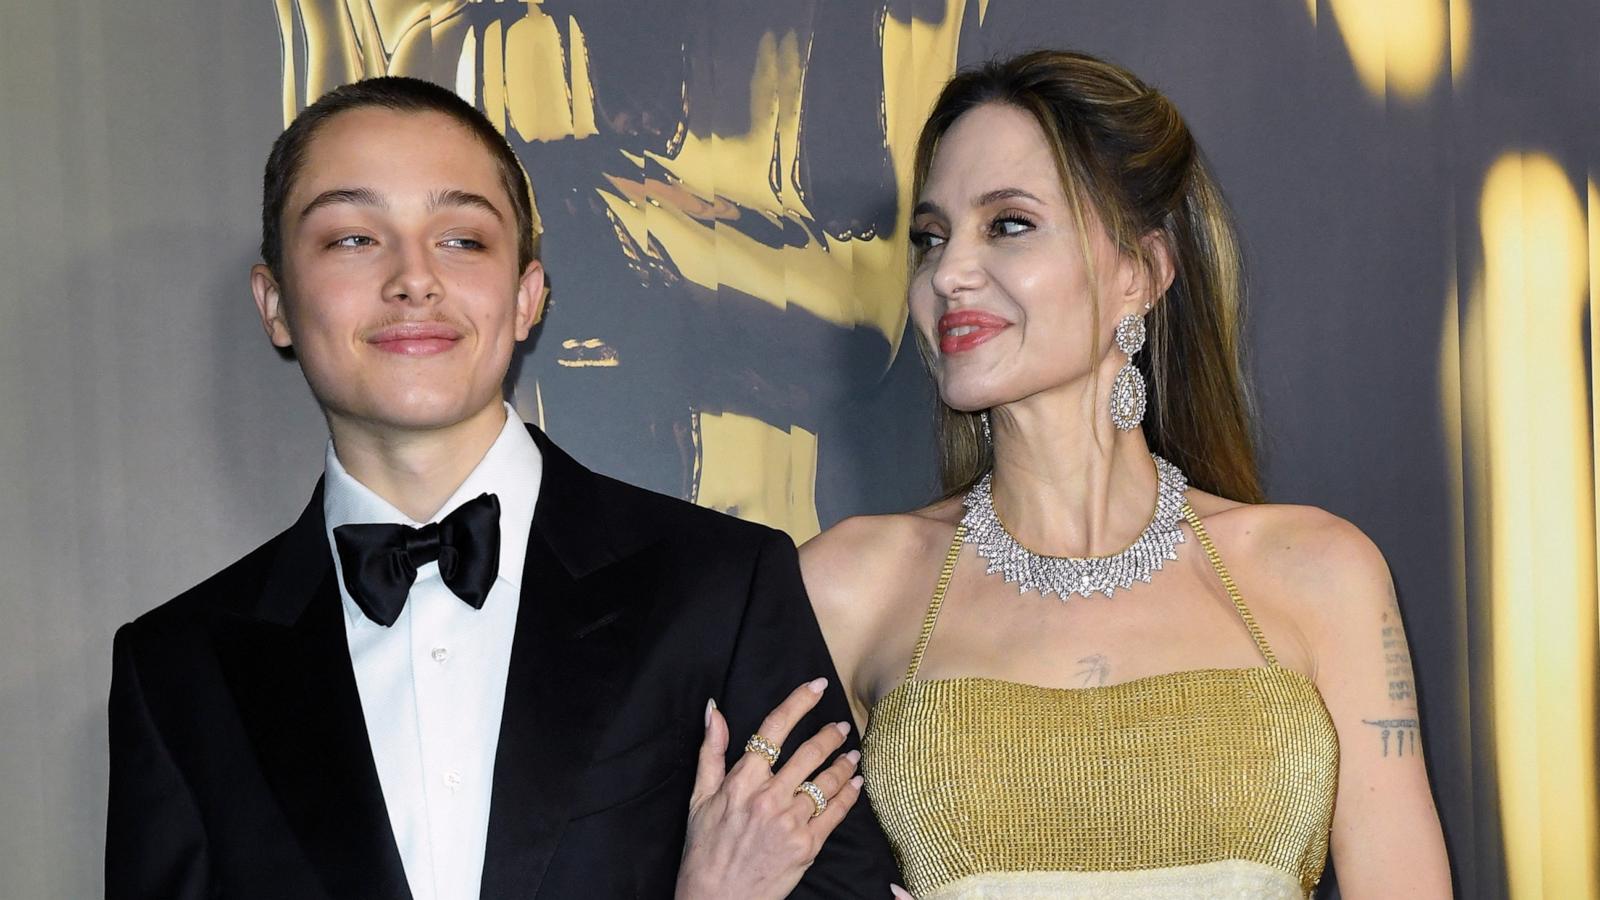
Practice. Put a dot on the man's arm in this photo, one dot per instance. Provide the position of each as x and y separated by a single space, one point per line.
780 646
155 843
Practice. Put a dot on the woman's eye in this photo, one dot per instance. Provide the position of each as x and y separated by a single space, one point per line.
925 240
1010 225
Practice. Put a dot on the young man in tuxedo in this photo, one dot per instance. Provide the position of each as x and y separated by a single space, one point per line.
472 667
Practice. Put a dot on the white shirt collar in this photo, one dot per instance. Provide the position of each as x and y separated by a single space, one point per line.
511 470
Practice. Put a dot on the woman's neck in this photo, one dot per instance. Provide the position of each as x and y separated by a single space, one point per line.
1064 487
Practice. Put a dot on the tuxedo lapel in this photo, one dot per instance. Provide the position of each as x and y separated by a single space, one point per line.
567 664
288 664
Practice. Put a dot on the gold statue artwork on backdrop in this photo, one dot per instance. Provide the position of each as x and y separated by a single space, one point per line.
721 192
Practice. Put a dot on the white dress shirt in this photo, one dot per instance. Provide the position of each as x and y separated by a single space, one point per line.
433 684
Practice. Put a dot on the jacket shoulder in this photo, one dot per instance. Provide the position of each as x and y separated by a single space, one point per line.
647 514
241 578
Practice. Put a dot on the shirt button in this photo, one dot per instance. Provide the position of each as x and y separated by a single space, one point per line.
452 779
440 654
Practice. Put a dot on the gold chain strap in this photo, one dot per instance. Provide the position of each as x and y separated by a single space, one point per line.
938 601
1200 532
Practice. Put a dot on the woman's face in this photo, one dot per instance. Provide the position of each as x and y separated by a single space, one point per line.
1001 290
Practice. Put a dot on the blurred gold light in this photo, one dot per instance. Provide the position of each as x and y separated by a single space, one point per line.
763 473
1397 46
1460 38
1594 341
1533 464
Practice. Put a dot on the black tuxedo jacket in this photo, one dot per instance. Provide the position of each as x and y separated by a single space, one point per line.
240 766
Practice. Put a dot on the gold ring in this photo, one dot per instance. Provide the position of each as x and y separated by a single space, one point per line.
815 793
762 747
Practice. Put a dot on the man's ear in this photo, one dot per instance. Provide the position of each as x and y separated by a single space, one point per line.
269 303
532 296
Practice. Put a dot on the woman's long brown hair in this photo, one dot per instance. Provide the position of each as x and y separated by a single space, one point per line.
1127 160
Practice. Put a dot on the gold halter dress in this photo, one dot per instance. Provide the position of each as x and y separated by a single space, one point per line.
1205 783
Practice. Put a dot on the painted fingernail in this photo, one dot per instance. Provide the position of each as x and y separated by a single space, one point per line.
856 782
899 893
854 756
817 685
711 704
844 728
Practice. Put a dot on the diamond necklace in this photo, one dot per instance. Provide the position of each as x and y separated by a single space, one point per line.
1064 575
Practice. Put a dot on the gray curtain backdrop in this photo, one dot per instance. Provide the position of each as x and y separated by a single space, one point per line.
149 435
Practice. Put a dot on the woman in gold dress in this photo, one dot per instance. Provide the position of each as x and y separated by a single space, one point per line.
1063 693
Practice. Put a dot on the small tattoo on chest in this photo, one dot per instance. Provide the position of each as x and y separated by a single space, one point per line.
1093 670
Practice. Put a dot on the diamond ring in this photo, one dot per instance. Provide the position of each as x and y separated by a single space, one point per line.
762 747
815 793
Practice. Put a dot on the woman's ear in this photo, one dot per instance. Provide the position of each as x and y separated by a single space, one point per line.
1158 270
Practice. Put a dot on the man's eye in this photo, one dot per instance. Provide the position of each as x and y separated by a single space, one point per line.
925 240
464 243
352 240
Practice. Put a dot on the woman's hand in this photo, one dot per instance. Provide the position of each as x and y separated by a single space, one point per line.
752 830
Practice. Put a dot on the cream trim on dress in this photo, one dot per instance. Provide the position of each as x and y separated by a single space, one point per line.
1234 879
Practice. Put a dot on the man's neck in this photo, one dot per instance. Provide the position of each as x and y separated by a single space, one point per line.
416 471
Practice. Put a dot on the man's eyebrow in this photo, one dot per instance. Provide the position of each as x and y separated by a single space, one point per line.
357 196
456 197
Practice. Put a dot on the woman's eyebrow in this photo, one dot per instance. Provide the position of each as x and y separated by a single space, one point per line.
1005 193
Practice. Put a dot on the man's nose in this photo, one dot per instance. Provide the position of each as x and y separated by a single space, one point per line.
414 279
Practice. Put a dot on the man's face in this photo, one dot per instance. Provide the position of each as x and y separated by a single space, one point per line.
399 289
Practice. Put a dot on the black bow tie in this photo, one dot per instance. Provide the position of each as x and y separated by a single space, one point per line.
380 561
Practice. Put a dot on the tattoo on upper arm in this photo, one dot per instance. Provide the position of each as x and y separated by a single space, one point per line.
1397 659
1404 732
1398 732
1093 670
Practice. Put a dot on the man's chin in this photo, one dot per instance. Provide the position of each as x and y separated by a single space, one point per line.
414 414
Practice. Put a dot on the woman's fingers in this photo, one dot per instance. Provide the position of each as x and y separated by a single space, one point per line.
831 781
839 805
743 827
709 772
810 756
778 723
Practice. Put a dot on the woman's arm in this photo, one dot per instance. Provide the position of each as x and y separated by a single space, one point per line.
846 570
1386 836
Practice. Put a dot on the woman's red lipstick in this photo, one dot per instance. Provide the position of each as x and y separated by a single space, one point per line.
962 330
415 338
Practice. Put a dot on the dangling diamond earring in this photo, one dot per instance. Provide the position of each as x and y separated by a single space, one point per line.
988 436
1127 391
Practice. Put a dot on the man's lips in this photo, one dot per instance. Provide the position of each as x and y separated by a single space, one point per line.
965 329
415 338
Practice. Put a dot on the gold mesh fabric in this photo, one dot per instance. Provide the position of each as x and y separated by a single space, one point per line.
974 775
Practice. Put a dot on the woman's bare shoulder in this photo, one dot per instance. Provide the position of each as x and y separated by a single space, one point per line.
867 556
1323 561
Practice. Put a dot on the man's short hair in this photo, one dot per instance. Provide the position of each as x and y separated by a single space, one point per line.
403 95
